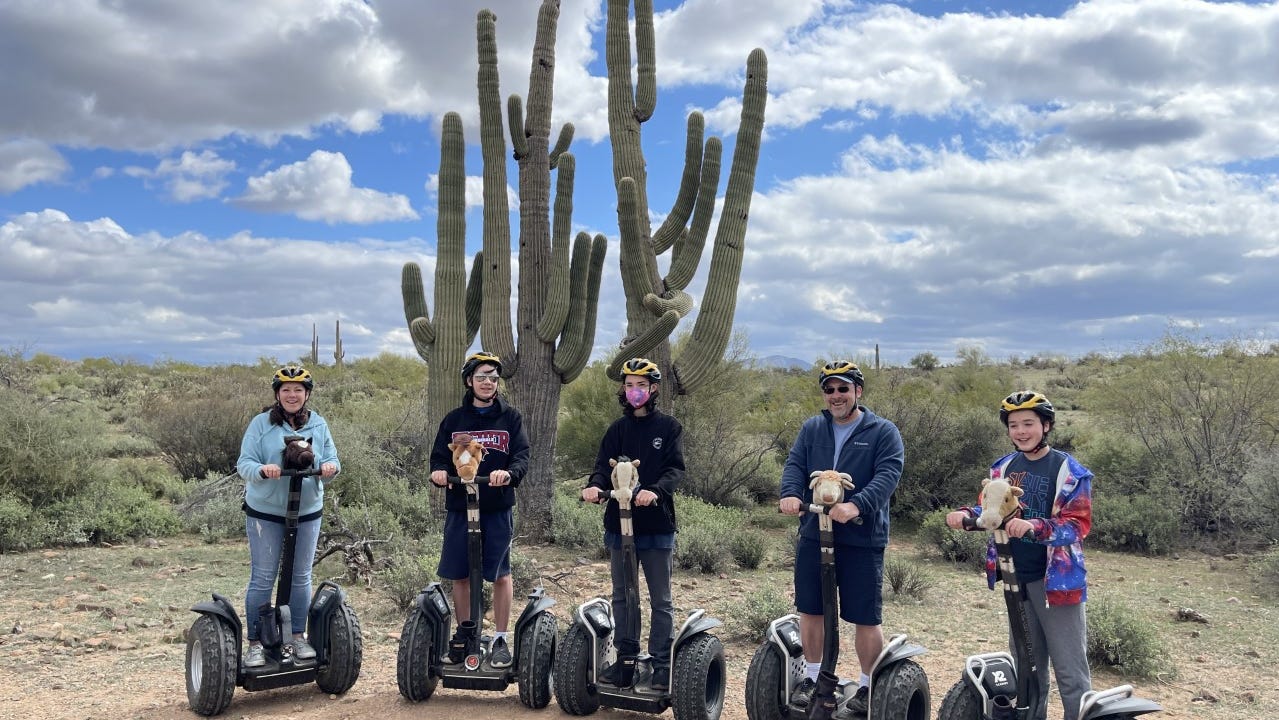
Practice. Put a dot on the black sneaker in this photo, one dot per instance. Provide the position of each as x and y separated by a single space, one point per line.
609 674
500 656
661 678
802 695
858 704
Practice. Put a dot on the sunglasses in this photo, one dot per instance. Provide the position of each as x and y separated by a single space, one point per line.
485 378
830 390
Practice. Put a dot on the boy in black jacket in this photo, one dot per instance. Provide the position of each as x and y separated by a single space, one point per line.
500 429
655 439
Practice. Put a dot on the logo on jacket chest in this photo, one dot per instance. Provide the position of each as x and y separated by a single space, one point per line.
499 440
657 443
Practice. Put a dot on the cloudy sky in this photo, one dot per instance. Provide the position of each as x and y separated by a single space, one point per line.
203 181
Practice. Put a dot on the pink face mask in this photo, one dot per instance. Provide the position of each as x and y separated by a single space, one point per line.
637 396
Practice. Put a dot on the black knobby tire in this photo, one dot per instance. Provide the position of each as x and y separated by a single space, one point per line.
413 661
537 657
345 652
764 681
961 703
211 665
572 670
698 679
901 693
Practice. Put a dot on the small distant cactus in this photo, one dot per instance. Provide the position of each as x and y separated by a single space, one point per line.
338 353
315 346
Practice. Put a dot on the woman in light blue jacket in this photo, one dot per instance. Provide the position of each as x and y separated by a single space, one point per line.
266 498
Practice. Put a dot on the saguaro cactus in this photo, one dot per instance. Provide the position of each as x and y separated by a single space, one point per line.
338 352
655 304
557 290
315 346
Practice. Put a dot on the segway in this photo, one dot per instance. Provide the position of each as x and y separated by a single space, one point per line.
423 658
697 672
993 688
214 664
898 685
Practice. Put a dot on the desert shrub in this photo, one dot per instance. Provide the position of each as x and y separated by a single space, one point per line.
1264 571
199 428
766 517
21 528
906 578
701 548
49 451
962 547
410 571
112 513
1123 640
748 548
524 575
148 474
1258 496
577 524
1134 523
1122 465
925 361
219 517
750 616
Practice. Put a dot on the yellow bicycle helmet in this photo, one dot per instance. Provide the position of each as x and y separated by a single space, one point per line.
292 373
643 367
843 370
1027 400
477 359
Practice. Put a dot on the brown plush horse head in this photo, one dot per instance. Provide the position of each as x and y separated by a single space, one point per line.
298 453
998 503
467 454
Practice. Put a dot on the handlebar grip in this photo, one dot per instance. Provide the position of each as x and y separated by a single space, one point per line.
479 480
293 473
970 523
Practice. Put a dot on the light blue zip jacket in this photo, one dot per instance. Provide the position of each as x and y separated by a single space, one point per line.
263 444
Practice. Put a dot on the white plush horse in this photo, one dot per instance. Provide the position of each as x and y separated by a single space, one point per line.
828 486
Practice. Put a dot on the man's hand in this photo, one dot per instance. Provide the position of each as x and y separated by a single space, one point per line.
497 478
439 477
1018 527
591 494
845 511
790 505
645 497
955 520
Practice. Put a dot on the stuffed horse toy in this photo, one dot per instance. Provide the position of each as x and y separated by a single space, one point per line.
467 454
998 503
828 486
298 453
625 478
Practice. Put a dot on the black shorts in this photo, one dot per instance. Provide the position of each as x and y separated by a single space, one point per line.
498 528
859 575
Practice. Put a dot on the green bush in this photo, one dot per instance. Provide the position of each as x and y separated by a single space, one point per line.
577 524
748 548
112 513
907 579
962 547
21 528
701 548
1264 571
410 571
1121 639
750 616
1134 523
49 451
199 429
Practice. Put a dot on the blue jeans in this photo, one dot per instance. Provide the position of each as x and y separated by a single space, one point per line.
266 543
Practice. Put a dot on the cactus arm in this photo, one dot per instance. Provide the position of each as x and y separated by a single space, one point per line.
561 144
688 185
415 312
646 52
557 297
684 262
715 319
575 345
599 248
637 261
474 297
623 127
678 301
496 333
640 345
515 117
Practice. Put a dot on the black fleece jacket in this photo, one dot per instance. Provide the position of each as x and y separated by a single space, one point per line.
506 445
656 440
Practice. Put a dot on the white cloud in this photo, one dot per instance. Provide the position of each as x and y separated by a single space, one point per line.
319 188
191 177
27 162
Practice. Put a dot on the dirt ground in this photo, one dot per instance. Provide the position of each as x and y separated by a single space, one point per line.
99 633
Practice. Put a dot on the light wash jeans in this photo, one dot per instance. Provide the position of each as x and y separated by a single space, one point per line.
266 543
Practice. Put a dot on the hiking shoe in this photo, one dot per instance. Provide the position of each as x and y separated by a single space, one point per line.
802 695
858 704
255 657
501 655
302 650
661 678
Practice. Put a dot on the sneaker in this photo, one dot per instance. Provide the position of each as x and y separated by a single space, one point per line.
501 655
802 695
661 678
255 657
609 674
302 650
858 704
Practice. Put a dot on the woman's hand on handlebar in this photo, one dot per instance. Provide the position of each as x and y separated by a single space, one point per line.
439 477
328 470
270 471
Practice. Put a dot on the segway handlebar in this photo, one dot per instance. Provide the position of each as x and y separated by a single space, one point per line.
479 480
294 473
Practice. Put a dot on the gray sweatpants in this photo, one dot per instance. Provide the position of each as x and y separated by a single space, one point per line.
656 565
1060 634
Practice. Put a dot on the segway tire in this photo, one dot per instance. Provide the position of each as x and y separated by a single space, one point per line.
764 682
211 665
537 658
961 703
345 652
572 673
901 693
698 679
413 661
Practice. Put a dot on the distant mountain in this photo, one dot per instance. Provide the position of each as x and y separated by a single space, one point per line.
783 362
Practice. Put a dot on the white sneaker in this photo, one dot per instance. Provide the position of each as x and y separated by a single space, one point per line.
255 657
302 650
